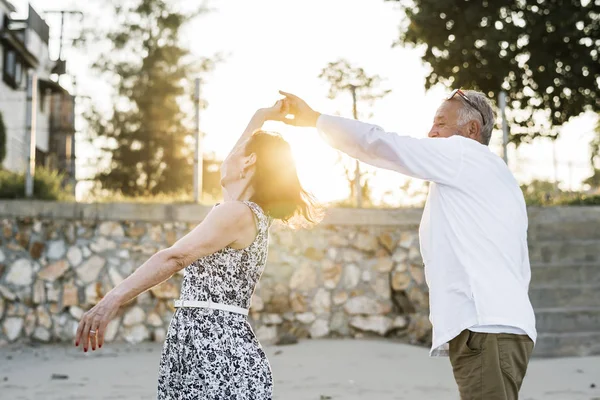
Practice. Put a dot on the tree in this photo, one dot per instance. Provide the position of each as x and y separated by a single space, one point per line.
211 189
539 192
594 180
2 141
345 78
544 54
147 134
365 195
211 176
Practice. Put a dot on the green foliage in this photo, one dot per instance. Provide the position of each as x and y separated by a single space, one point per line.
543 53
211 190
211 178
544 193
581 200
47 185
594 180
595 148
2 141
147 135
99 195
539 192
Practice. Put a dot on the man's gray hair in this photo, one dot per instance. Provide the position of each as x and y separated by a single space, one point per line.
466 113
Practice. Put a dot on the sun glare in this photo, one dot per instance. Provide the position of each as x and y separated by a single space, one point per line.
317 165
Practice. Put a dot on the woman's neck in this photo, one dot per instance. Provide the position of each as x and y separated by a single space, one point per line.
238 191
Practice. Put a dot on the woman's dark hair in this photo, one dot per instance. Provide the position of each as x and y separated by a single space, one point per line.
277 188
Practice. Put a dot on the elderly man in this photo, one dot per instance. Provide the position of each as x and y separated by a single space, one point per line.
473 236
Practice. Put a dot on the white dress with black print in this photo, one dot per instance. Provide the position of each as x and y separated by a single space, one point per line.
213 354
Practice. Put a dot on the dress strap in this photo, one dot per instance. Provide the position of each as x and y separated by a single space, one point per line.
264 221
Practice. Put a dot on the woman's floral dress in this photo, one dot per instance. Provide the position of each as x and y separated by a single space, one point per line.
213 354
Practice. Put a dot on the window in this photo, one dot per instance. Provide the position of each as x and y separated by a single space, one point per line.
18 72
41 158
13 68
11 59
42 100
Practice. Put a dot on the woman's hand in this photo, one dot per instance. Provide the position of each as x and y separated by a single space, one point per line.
92 326
276 112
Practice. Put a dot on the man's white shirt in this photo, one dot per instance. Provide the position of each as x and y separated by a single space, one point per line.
473 232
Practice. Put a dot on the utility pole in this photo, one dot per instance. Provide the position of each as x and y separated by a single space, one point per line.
30 123
61 70
198 159
357 187
62 26
72 161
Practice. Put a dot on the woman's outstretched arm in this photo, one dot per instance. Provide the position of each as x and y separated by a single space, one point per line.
258 119
223 226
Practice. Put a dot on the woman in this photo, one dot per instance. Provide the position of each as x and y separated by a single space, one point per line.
210 351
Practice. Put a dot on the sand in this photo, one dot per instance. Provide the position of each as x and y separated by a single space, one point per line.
314 369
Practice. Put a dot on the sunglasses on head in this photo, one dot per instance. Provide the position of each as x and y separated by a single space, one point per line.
465 98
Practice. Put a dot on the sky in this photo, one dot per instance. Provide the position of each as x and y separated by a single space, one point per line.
273 44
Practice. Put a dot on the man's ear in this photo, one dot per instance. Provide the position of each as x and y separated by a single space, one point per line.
474 131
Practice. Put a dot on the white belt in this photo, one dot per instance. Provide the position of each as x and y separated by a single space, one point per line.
210 304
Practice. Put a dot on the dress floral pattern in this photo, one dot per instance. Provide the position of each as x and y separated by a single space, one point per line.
213 354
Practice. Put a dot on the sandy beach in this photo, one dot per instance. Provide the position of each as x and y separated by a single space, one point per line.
311 370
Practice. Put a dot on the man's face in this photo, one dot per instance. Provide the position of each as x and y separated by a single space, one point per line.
445 120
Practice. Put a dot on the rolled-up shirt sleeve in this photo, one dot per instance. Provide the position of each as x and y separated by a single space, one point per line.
433 159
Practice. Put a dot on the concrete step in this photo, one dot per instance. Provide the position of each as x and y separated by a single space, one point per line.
567 344
548 223
566 251
564 274
564 320
553 296
564 230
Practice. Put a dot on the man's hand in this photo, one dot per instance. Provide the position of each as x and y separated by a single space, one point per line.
302 113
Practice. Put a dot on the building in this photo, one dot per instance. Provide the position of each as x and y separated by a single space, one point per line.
24 52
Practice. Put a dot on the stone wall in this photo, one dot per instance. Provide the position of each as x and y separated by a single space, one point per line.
358 273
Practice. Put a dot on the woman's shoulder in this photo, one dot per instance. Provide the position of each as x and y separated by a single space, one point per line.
245 210
237 212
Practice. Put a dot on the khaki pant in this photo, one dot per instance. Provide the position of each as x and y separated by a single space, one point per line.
489 366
